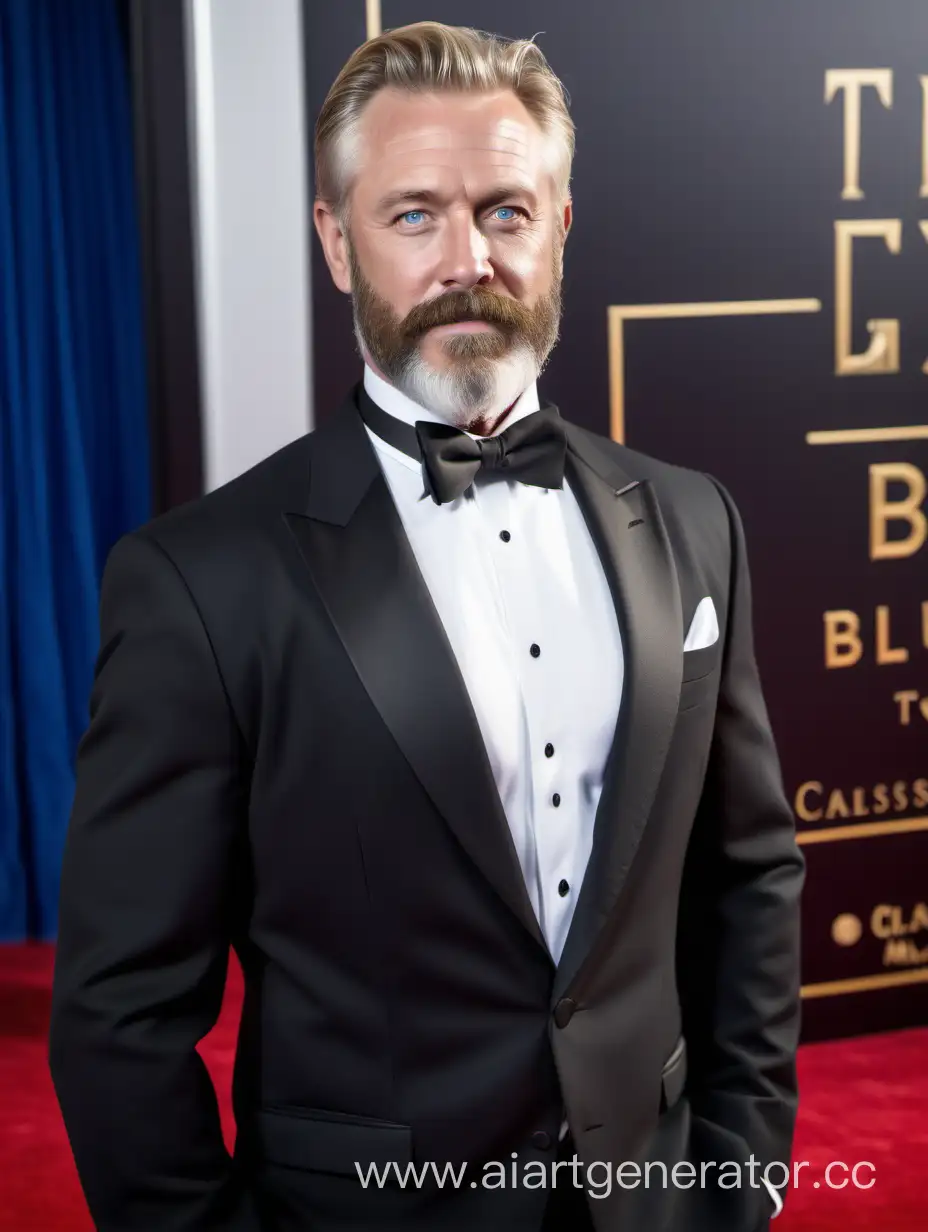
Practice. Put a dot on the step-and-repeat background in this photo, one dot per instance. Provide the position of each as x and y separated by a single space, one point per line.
746 292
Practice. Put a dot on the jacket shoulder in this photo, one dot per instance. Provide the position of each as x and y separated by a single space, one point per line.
249 500
677 487
698 512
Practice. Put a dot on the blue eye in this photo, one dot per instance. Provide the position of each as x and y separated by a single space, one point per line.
505 209
413 217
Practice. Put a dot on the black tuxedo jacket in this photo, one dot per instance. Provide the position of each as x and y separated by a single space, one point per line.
282 757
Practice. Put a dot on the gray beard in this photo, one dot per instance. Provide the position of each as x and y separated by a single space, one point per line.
472 391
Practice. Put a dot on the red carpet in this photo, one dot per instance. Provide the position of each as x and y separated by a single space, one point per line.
862 1099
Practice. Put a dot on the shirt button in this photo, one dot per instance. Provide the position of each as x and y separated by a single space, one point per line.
563 887
556 800
541 1139
535 650
505 536
549 750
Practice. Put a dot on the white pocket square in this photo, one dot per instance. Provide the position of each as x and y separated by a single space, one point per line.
704 631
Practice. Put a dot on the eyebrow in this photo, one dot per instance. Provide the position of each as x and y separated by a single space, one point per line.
426 196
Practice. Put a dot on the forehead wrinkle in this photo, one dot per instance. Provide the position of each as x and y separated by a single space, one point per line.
458 149
459 181
514 130
499 149
436 167
502 145
443 135
518 157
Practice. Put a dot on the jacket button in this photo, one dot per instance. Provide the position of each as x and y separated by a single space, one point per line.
541 1139
564 1011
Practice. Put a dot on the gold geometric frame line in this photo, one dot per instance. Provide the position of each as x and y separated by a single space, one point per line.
865 983
866 829
867 436
619 314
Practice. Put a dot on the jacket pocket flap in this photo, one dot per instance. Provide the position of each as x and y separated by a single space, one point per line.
323 1141
673 1075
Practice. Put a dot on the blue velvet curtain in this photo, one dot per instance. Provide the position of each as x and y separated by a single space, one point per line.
74 465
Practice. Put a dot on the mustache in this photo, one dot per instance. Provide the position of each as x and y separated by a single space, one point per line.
474 305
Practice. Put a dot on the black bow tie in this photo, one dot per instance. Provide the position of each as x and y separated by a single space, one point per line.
532 450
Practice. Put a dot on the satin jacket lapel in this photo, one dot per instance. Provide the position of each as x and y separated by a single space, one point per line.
357 551
626 524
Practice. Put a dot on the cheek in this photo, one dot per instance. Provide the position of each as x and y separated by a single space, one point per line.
527 263
404 276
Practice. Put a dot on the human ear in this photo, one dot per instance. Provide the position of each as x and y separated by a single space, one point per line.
334 244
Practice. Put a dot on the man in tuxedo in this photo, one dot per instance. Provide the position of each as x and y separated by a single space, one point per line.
446 717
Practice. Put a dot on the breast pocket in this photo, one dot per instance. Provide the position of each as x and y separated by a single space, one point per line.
700 675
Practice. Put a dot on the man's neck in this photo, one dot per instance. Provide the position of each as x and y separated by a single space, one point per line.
486 427
395 402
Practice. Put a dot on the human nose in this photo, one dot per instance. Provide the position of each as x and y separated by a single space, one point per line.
465 255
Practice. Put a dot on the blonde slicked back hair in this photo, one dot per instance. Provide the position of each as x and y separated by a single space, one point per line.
429 56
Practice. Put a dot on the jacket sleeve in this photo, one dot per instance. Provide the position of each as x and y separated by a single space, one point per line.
149 892
738 941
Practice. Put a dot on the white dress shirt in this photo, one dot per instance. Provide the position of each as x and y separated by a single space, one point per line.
511 567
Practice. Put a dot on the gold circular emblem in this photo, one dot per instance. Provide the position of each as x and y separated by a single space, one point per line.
847 930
